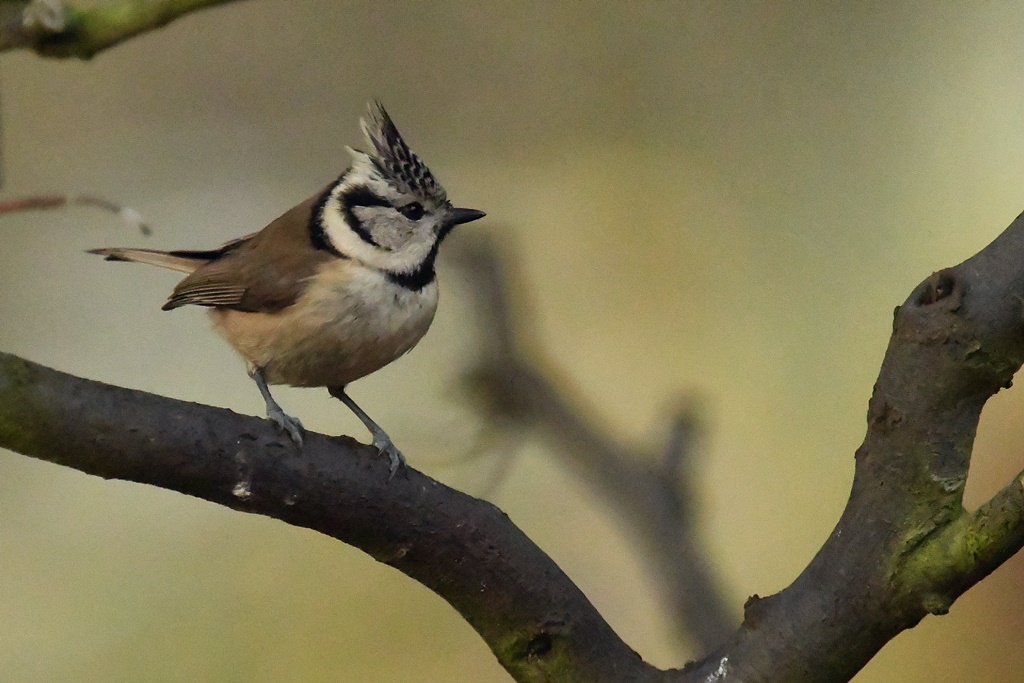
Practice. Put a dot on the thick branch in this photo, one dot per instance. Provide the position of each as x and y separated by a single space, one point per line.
57 29
537 622
905 547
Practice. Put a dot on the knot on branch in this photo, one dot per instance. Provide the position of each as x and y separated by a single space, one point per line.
539 645
882 416
941 285
755 610
972 335
539 649
937 604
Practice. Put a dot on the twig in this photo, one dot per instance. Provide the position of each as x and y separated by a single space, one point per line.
132 218
53 28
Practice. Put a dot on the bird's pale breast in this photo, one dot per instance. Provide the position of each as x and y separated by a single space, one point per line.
349 322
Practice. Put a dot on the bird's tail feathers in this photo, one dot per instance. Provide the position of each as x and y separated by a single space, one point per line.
184 262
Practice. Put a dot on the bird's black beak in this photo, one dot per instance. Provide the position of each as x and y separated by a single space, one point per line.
460 216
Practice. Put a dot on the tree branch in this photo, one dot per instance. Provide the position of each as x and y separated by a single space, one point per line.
131 218
537 622
970 548
57 29
905 547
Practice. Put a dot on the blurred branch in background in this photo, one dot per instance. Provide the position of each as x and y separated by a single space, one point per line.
58 29
652 492
132 218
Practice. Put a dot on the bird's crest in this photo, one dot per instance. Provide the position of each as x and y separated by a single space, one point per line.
395 160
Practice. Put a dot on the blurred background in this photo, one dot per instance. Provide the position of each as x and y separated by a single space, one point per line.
717 200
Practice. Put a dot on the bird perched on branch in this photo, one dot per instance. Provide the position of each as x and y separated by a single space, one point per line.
337 287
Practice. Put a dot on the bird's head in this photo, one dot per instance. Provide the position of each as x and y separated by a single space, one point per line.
388 211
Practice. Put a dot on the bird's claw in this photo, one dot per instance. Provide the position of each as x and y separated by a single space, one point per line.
287 424
396 461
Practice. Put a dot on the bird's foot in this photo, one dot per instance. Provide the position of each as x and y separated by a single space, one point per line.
382 442
287 424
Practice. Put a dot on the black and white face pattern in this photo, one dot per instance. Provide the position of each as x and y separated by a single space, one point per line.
388 211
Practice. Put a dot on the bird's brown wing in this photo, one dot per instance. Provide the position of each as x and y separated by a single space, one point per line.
264 272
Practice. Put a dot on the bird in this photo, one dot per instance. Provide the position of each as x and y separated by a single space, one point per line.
335 288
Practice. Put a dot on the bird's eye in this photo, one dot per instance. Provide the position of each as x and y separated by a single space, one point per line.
413 211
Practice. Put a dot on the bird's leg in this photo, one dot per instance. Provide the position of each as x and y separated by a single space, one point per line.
285 423
381 441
